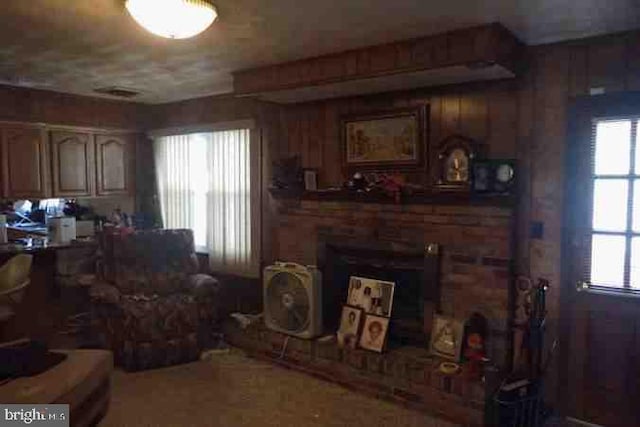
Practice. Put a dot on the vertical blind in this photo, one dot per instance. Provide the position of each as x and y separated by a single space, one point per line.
204 183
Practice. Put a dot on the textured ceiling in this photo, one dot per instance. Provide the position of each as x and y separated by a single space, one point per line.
77 46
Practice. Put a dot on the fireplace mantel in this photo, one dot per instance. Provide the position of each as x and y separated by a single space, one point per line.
421 198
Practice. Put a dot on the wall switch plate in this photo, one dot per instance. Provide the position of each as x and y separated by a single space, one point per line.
536 230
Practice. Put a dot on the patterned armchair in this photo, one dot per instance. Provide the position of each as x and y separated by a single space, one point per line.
151 307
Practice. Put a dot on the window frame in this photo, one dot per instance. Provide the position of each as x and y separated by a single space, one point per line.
256 172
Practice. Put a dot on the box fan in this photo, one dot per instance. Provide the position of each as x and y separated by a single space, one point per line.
293 299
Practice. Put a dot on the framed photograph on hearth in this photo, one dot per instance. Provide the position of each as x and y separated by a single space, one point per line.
349 327
374 333
447 335
387 140
372 295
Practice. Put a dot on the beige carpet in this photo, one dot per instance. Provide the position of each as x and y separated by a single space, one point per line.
233 390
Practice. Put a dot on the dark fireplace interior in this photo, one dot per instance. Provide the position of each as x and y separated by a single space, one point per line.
414 272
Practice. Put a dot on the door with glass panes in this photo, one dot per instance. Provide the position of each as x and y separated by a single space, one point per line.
600 376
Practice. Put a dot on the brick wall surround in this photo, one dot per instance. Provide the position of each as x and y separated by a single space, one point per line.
476 248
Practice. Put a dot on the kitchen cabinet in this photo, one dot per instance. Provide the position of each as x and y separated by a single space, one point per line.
25 165
41 161
114 164
72 163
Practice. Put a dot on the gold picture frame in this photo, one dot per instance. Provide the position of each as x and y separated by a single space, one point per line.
392 139
447 335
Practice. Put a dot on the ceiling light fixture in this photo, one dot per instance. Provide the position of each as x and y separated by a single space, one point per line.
173 19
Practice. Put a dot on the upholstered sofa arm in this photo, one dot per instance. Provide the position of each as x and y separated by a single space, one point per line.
103 293
203 286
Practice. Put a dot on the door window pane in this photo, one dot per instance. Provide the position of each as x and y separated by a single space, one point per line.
636 205
635 263
613 145
637 167
610 204
607 260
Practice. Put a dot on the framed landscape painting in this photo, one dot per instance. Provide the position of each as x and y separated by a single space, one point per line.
387 140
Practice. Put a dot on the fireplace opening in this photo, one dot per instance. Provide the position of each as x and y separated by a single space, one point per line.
413 270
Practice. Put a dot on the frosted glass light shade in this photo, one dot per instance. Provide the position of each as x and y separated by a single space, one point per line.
174 19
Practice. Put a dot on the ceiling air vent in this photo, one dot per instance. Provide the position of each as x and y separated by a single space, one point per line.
120 92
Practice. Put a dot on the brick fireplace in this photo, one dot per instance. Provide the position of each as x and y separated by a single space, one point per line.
475 245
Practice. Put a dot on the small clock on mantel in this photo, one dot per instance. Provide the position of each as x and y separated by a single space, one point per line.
455 155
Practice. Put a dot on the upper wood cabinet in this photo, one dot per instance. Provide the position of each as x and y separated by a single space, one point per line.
38 161
25 171
114 164
72 164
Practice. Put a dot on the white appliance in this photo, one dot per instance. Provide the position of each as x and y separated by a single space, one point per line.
293 299
62 230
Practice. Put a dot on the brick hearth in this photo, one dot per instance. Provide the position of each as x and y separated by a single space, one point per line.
476 249
406 375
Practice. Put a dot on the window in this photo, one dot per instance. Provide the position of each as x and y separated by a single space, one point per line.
615 228
205 184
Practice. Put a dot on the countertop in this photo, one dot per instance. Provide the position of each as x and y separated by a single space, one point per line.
17 248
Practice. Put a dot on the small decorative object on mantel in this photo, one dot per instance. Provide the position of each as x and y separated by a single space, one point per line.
358 182
377 183
493 176
386 140
310 179
287 174
446 337
455 155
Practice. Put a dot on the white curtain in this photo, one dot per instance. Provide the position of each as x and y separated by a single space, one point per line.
205 183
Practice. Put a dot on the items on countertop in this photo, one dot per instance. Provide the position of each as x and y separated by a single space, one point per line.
33 226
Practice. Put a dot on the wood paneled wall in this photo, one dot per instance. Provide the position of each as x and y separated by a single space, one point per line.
524 119
206 110
490 43
556 75
31 105
486 112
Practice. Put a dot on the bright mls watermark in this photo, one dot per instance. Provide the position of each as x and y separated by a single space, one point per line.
34 415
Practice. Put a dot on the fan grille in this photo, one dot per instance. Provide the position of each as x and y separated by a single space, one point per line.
288 302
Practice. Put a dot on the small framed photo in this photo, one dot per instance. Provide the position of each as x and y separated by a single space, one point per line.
310 179
482 177
447 336
374 333
372 295
349 327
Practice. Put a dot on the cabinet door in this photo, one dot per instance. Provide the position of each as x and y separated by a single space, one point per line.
114 164
25 169
72 164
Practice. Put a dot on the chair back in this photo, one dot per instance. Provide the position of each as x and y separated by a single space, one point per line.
149 261
14 278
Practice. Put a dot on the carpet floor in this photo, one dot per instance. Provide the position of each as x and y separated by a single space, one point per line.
233 390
